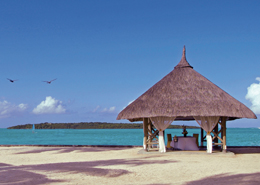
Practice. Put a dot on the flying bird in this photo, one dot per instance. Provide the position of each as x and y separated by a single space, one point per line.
11 80
48 82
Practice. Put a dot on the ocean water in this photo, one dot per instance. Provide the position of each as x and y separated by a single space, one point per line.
235 136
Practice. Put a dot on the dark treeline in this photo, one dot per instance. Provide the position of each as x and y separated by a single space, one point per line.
89 125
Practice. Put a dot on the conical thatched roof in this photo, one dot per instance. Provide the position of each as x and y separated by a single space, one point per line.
185 93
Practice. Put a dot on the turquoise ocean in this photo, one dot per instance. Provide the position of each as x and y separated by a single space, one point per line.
235 136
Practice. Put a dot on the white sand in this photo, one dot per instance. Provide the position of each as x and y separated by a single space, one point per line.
106 165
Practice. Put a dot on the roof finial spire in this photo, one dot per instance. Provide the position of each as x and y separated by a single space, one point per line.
184 52
183 62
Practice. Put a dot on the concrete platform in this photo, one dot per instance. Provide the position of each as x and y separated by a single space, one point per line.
232 150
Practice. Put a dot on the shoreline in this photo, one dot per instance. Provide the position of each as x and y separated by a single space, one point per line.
233 150
127 146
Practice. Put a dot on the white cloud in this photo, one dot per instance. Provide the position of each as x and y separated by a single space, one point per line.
253 95
8 109
49 106
22 106
105 110
95 110
111 109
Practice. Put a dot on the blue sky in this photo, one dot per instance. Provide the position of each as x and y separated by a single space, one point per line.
105 54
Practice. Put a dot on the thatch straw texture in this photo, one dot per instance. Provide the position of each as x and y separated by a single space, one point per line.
185 93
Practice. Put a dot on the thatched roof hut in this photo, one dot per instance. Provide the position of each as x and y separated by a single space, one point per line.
185 93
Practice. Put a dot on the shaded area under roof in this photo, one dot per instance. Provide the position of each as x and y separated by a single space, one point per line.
185 93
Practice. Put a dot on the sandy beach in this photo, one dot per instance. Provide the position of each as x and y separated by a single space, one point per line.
126 165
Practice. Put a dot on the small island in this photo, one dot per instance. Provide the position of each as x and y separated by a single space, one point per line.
90 125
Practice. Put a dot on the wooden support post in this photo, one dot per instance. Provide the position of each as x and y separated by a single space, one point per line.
223 123
152 141
145 129
164 135
221 134
216 139
201 136
150 129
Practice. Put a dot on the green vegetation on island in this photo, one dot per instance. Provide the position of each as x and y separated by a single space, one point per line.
89 125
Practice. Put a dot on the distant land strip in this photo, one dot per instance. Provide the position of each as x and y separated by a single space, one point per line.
90 125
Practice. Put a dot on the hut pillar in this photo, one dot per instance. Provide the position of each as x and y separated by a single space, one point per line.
145 129
223 134
215 140
149 139
152 134
202 137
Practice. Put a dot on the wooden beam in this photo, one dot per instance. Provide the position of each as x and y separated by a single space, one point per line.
219 122
224 146
151 135
216 136
218 143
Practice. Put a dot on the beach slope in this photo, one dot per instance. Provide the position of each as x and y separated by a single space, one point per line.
125 165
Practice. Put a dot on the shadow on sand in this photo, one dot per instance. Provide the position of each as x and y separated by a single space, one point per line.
27 174
97 148
73 149
245 150
245 179
11 175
